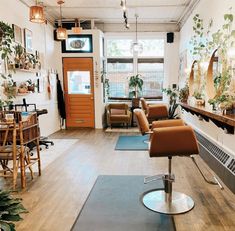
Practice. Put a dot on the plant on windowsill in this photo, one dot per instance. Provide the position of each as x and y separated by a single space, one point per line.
135 87
10 210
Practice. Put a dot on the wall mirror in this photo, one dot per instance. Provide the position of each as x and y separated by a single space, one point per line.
194 78
212 74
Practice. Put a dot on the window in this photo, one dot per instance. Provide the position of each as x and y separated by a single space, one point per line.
122 63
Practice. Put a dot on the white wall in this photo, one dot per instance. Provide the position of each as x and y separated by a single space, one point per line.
208 9
14 12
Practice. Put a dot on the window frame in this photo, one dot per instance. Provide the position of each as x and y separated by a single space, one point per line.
152 59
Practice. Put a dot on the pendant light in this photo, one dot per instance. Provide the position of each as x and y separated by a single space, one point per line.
77 29
61 32
36 13
136 46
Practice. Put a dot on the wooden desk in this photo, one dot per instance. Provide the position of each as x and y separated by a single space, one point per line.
226 122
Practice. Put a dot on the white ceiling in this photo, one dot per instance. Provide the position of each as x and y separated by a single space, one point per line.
109 11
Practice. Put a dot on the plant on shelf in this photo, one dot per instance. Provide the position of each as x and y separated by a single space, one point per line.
10 210
30 85
135 85
23 88
184 93
19 56
173 96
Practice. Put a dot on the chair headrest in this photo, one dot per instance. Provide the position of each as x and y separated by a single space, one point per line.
173 141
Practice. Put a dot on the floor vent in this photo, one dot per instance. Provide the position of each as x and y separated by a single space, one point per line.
231 165
213 149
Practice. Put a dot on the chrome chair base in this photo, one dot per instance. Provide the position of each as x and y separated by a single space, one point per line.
157 202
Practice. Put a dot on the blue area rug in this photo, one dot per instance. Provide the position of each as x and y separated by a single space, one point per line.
114 204
128 143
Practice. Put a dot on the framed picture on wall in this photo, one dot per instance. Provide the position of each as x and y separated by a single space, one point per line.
17 34
77 44
28 36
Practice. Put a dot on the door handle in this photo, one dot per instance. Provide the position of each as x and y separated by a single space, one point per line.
92 97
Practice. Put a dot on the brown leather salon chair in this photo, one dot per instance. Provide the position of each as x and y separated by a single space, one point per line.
144 126
169 142
154 111
118 113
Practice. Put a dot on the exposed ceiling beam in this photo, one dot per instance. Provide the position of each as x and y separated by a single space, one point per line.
187 12
116 7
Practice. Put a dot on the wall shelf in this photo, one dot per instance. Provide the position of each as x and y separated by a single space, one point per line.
226 122
27 70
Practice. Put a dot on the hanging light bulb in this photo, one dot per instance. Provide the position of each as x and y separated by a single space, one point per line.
61 32
77 29
36 14
136 46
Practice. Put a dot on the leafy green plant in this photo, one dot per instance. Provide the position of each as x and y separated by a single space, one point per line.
9 87
136 84
197 95
6 40
10 210
184 93
173 96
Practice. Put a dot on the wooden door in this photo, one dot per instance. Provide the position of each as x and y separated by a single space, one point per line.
79 92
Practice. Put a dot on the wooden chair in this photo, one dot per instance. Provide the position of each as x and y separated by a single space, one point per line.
118 114
28 133
9 151
13 147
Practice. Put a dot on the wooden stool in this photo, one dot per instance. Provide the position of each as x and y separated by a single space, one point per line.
169 142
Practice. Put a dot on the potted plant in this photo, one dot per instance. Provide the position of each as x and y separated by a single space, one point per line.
30 85
135 85
10 210
23 88
184 93
19 56
198 96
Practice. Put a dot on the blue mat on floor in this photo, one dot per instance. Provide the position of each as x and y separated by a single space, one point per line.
128 143
114 204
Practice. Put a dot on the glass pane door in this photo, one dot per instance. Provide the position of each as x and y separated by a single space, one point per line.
79 82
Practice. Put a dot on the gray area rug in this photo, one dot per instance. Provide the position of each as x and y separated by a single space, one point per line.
114 204
128 143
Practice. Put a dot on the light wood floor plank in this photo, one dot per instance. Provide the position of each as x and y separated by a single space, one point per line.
55 199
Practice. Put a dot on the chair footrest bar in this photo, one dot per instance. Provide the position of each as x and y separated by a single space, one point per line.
154 178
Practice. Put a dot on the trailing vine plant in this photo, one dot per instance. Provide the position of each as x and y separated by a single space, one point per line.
204 42
6 40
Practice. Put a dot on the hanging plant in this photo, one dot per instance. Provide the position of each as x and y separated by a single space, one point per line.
6 40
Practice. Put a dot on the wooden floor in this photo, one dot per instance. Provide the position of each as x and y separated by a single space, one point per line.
55 199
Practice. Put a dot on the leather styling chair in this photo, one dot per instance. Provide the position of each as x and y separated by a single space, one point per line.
154 111
169 142
144 126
